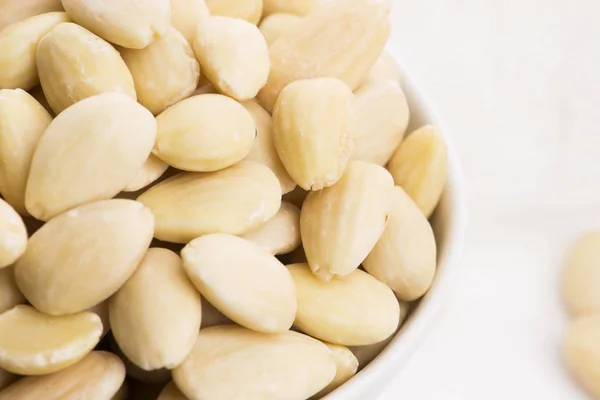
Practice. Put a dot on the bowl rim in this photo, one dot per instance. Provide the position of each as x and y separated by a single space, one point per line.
398 352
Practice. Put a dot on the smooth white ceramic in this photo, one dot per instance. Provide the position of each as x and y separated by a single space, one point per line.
449 224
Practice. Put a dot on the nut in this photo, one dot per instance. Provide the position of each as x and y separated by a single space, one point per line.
18 10
341 224
97 376
113 136
339 40
314 130
280 234
287 366
263 150
74 64
155 316
581 276
13 235
383 117
275 24
186 15
171 392
23 122
355 310
221 266
404 258
233 55
204 133
234 200
32 343
346 364
150 172
249 10
10 295
98 245
581 352
164 72
419 167
129 23
18 47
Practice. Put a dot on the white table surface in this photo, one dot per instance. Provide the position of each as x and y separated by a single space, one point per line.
517 81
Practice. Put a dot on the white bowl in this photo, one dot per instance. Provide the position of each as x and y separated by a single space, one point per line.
449 223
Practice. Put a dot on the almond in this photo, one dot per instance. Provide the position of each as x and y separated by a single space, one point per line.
280 234
233 56
97 376
150 172
74 64
404 258
10 295
275 24
346 365
23 122
581 276
419 167
186 15
234 200
129 23
314 129
113 136
339 40
164 72
13 235
221 266
341 224
98 245
354 310
18 10
18 47
256 366
204 133
32 343
249 10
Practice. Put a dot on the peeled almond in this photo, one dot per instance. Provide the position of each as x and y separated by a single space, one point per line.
249 10
186 15
13 235
280 234
275 24
18 10
32 343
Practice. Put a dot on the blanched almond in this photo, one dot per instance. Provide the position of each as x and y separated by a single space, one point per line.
419 167
13 235
150 172
234 200
10 295
32 343
233 56
164 72
249 10
204 133
581 352
339 40
74 64
354 310
97 376
129 23
171 392
314 130
23 122
346 364
298 7
404 258
113 136
383 117
341 224
280 234
581 276
18 10
18 47
221 266
98 245
275 24
256 366
263 150
155 316
186 15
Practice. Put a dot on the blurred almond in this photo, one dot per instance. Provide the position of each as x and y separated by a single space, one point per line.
23 122
204 133
186 15
18 47
10 295
353 213
221 266
74 64
346 365
314 130
233 56
234 200
280 234
150 172
129 23
97 376
581 352
255 366
275 24
13 235
354 310
113 136
32 343
419 167
18 10
249 10
98 245
339 40
580 282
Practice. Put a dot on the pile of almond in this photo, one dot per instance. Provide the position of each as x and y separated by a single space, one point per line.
217 209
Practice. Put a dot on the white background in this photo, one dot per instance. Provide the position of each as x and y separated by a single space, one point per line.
518 84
